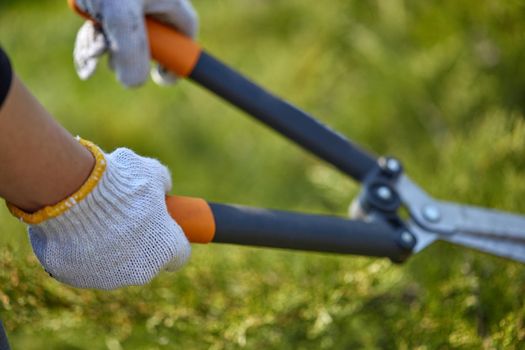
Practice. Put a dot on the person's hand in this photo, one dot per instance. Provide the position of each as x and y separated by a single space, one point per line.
115 231
122 34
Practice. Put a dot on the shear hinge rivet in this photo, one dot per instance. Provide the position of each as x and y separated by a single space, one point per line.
384 193
431 213
393 165
407 238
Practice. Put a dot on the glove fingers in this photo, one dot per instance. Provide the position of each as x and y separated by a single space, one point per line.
165 177
176 264
183 251
162 76
125 31
90 44
178 13
181 245
160 172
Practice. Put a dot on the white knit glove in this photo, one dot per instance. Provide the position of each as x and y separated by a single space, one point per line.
120 234
123 35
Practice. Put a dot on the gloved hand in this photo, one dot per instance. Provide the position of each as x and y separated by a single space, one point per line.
115 231
123 36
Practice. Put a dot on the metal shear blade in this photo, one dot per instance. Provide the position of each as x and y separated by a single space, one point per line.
491 231
505 248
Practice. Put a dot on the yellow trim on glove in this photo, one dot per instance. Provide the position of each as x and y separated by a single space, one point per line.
64 205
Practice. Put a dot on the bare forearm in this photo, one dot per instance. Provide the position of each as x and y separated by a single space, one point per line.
40 162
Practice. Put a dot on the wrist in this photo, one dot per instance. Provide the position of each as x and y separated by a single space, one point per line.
84 176
41 162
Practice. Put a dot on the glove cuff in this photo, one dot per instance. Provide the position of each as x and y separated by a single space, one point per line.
64 205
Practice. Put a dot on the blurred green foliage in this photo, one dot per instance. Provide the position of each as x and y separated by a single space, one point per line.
441 84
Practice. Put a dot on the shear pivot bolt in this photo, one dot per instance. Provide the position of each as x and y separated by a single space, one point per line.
390 167
431 213
393 165
384 193
407 238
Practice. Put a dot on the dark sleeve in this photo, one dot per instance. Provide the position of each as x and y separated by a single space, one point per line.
4 345
6 75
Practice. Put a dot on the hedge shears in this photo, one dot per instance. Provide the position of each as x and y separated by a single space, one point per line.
376 227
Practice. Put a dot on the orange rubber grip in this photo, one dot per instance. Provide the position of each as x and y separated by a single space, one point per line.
173 50
195 217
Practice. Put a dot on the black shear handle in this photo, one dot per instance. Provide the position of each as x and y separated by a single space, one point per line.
185 58
283 117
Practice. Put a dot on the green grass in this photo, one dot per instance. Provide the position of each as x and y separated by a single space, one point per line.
440 84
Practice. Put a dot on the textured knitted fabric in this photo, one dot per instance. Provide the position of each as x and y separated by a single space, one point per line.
121 234
123 35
